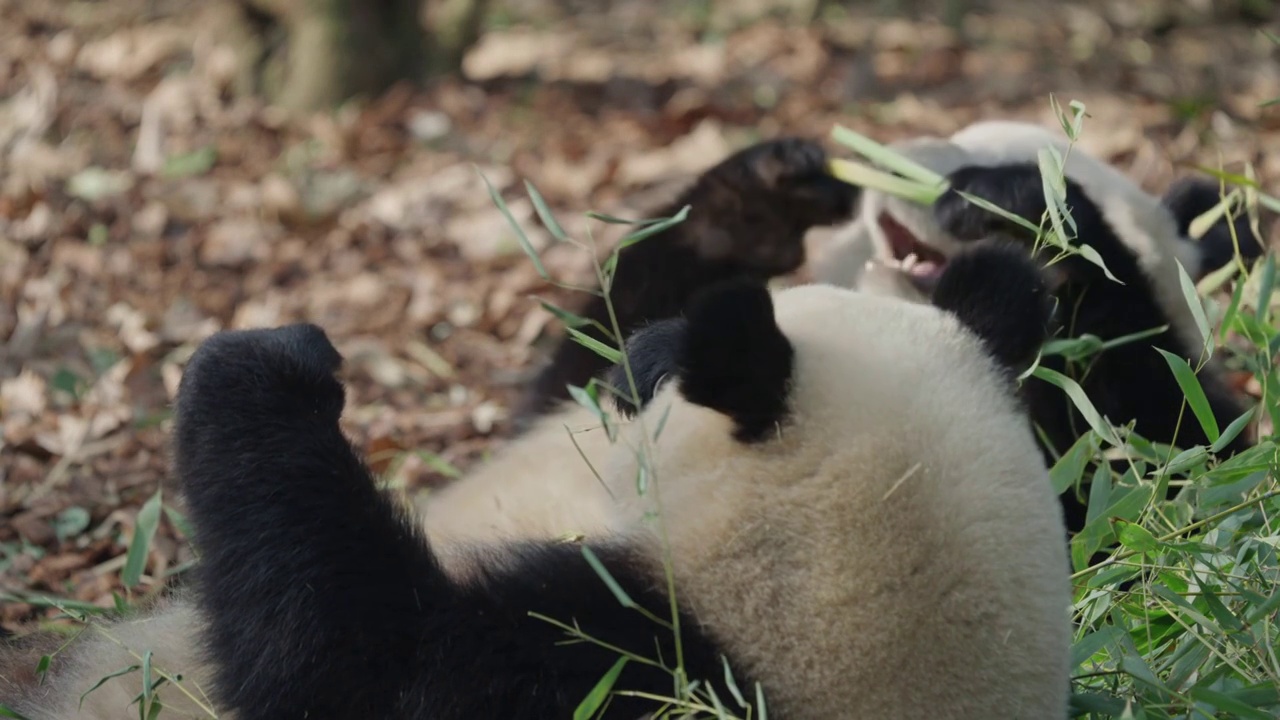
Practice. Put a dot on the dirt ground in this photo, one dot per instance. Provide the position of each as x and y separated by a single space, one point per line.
145 204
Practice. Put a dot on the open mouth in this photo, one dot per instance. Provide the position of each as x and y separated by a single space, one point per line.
921 264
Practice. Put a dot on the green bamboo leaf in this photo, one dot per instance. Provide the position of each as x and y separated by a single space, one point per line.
618 592
103 680
1194 393
1054 180
1205 220
521 237
595 699
1225 703
587 398
1081 401
599 348
865 176
1088 253
1213 281
544 212
615 220
1233 431
573 320
884 157
993 208
143 532
653 229
1197 308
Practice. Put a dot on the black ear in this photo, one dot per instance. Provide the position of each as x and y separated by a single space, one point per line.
999 293
1189 198
735 359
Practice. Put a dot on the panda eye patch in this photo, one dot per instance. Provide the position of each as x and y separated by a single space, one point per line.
652 354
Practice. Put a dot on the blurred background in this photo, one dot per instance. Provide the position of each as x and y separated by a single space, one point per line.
169 168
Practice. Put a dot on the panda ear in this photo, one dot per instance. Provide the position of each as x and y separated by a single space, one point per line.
735 359
999 293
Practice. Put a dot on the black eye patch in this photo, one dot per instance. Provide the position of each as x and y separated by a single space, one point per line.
653 353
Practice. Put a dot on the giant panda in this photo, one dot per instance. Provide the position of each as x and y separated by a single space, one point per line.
859 544
748 216
1138 236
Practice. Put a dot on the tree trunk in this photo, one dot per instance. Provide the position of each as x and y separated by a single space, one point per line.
331 50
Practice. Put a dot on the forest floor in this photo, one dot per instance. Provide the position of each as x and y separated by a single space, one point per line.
145 204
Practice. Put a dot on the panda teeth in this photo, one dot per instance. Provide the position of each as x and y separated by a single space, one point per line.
909 262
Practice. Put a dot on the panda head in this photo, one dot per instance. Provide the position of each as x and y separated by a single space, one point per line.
895 246
781 374
888 229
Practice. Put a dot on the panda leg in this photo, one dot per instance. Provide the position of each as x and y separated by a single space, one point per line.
321 597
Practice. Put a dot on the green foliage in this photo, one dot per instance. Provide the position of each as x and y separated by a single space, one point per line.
1179 620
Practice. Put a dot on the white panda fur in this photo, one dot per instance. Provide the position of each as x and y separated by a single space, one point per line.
167 631
746 525
539 486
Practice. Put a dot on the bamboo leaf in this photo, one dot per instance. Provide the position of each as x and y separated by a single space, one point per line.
521 237
143 532
544 212
883 156
595 699
1194 393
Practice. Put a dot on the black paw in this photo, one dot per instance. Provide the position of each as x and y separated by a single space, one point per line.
1190 198
1017 189
785 162
795 171
754 208
1000 294
284 369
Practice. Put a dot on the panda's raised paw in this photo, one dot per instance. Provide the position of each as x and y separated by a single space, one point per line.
777 163
792 167
264 369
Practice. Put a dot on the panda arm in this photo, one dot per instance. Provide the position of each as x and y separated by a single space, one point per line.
305 568
748 217
320 595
